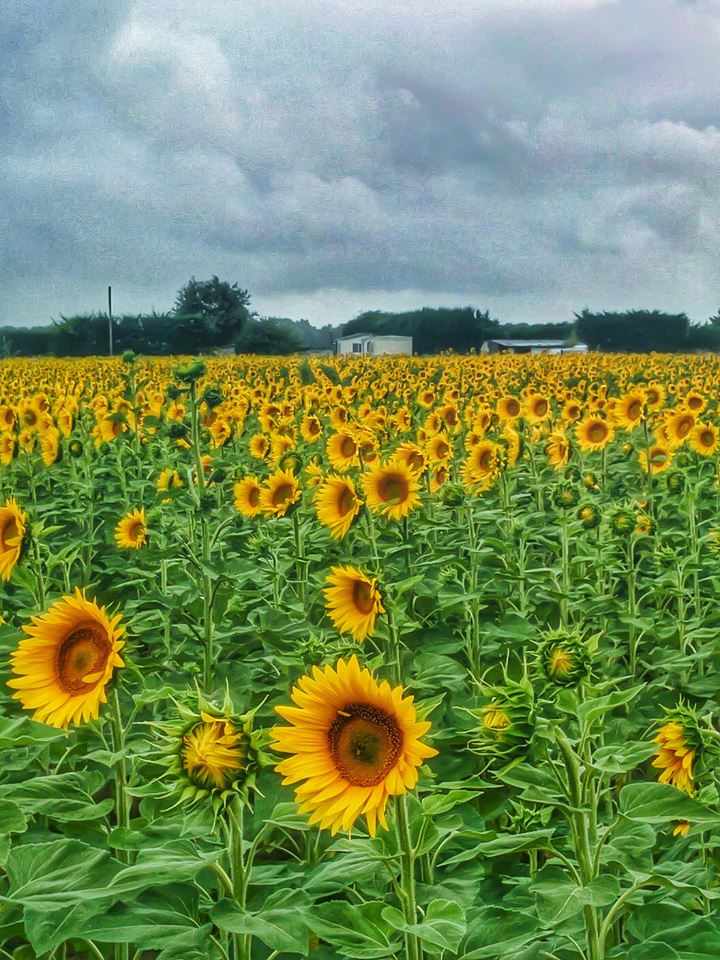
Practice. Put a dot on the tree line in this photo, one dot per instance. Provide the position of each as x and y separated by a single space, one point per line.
212 314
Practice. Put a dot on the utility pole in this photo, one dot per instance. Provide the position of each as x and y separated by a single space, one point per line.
110 337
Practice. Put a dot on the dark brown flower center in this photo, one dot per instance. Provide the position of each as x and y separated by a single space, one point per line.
365 743
363 597
282 494
393 488
253 496
82 653
597 432
634 410
346 501
348 447
512 407
541 407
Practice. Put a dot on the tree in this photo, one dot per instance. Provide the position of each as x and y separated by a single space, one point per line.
268 337
211 312
635 331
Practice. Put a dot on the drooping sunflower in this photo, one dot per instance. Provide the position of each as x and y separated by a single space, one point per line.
353 601
704 439
593 434
557 450
337 504
66 661
247 493
353 741
280 492
675 756
131 530
392 490
12 533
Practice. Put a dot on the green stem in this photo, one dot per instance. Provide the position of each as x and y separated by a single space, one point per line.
239 873
413 946
122 805
300 567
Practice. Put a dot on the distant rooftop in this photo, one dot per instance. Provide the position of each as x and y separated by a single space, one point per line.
527 343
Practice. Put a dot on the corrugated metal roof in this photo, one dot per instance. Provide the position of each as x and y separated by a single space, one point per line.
527 343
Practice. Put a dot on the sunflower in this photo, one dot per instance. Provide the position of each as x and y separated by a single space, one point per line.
342 451
677 428
593 434
353 601
508 408
279 494
213 752
392 489
311 429
50 446
628 412
12 532
337 505
558 450
7 449
675 757
537 408
704 439
656 459
247 494
65 663
259 446
439 449
7 417
353 741
131 531
481 466
168 482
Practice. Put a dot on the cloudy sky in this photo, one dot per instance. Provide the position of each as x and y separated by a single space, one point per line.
526 156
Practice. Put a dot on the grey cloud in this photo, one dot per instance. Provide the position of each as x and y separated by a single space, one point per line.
526 156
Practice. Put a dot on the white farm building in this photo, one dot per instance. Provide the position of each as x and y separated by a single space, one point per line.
373 345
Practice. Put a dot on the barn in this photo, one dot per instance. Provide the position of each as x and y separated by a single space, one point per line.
373 345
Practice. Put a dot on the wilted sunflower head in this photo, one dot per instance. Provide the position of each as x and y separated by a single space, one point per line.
211 754
564 658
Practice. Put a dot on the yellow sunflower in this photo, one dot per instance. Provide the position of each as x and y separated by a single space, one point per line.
558 450
131 531
704 439
656 459
280 492
537 408
628 412
65 663
7 449
12 532
593 434
353 601
337 504
392 489
353 741
675 757
214 752
508 408
678 427
168 482
342 451
247 494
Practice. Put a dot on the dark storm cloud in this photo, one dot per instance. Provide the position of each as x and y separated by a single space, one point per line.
527 155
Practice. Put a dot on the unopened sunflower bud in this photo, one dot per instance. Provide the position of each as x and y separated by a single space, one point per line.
676 481
506 724
589 516
178 430
566 496
622 523
190 372
210 754
213 397
452 494
564 658
75 448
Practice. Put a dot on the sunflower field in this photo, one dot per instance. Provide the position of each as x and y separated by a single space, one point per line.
360 658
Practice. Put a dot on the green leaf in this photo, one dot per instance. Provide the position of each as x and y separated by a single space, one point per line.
661 802
12 819
443 926
283 929
359 932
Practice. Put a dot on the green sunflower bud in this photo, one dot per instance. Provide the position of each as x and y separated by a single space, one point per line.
622 523
589 516
178 430
210 755
128 356
190 372
675 482
172 392
506 723
452 494
213 397
566 496
564 658
75 448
